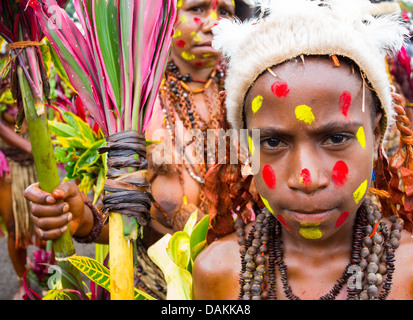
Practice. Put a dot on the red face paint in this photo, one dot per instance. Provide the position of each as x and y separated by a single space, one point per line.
280 89
269 176
198 21
198 64
340 173
283 222
181 43
305 177
345 102
343 217
214 4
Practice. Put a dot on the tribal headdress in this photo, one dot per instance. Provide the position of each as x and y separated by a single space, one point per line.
289 29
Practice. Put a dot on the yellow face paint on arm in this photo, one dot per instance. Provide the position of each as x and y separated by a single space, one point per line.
305 114
257 103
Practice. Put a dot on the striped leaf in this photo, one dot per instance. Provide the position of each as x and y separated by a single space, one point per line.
99 274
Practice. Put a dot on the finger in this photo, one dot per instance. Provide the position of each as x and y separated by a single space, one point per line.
35 194
66 190
51 223
50 235
51 210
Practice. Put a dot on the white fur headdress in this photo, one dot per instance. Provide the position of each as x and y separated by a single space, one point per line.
300 27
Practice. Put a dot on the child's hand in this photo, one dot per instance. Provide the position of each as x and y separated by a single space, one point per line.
52 213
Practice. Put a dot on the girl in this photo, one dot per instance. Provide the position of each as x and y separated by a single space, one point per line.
311 76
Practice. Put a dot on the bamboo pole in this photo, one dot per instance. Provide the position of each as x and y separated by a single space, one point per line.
47 173
120 261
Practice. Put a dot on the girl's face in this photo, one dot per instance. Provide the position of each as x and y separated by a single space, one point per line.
316 144
192 39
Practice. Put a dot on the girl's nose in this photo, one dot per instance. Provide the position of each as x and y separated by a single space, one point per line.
308 180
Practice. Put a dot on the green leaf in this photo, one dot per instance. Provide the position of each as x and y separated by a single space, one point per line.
89 157
179 280
100 183
198 235
78 124
106 19
179 250
99 274
190 224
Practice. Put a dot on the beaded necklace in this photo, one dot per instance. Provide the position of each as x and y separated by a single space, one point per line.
372 254
177 98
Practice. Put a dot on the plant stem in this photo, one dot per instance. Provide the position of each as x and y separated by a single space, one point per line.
120 261
47 173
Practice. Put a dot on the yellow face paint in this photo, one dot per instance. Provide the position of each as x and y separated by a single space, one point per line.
305 114
361 137
177 34
267 205
214 15
179 4
183 19
207 55
359 193
311 231
196 36
188 56
251 145
256 103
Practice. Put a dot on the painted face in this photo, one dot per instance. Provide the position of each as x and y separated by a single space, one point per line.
316 144
192 38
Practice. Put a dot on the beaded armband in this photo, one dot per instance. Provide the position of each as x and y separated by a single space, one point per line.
97 226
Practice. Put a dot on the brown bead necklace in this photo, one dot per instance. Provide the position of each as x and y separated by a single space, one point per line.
177 98
372 257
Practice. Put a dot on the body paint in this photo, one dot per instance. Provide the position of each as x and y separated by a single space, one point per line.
311 231
214 15
269 176
181 44
280 89
283 222
305 177
305 114
198 21
177 34
179 4
345 102
361 137
343 217
251 145
188 56
359 193
340 173
196 36
256 103
183 19
267 205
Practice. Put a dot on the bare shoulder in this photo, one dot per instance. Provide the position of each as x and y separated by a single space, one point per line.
216 270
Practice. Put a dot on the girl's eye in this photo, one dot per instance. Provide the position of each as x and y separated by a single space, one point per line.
337 139
271 143
225 13
195 9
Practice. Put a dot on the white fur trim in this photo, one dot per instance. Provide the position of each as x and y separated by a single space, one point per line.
295 27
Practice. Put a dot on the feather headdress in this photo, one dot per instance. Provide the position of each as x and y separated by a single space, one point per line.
301 27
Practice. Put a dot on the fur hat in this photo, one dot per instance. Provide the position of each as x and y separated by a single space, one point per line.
301 27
